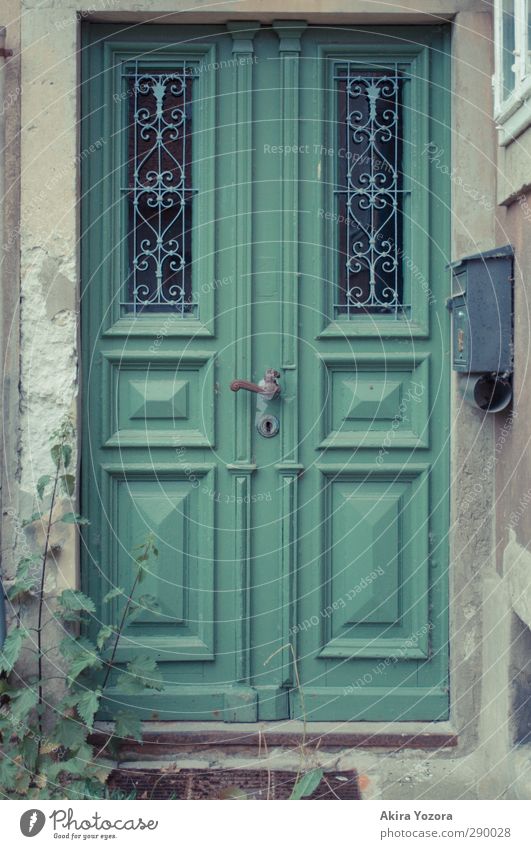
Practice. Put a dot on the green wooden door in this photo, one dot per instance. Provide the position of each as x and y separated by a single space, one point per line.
255 198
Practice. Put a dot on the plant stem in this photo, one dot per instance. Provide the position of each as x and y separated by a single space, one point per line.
302 745
122 623
41 589
109 738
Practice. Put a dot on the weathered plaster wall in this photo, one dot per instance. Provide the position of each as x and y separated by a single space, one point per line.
9 300
49 260
513 470
473 153
513 493
48 234
514 168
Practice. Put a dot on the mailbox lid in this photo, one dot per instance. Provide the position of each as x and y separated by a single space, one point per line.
484 256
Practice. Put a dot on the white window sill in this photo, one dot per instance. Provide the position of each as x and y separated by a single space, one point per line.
515 115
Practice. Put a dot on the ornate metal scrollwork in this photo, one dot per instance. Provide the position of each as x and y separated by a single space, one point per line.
371 197
159 190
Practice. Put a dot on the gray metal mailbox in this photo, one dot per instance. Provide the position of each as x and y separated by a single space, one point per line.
482 313
482 326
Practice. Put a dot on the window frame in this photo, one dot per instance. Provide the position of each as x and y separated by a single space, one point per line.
512 113
345 191
136 190
413 319
117 57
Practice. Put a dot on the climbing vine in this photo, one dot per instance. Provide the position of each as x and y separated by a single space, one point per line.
45 750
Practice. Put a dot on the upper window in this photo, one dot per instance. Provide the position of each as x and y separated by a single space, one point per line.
508 65
512 78
159 190
369 190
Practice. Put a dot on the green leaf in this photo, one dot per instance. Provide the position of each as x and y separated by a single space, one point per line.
100 772
73 766
7 729
104 633
142 672
69 733
127 725
20 706
306 785
76 600
88 705
85 753
24 564
76 790
133 611
29 748
68 483
82 655
8 774
142 665
67 455
22 586
113 594
134 608
42 483
72 647
11 649
73 519
141 572
68 615
132 686
61 451
24 582
79 665
47 763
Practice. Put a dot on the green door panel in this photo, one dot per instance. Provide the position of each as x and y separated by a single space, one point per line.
153 393
305 574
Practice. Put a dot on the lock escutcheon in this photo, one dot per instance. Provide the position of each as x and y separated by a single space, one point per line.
268 425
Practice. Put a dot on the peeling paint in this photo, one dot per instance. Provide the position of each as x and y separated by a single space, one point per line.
48 359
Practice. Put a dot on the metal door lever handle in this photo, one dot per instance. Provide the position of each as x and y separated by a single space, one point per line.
268 386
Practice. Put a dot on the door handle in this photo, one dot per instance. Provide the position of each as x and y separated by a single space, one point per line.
267 387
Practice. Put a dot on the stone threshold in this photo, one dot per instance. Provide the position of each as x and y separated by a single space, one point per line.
160 737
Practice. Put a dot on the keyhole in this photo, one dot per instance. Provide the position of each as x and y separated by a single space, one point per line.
268 426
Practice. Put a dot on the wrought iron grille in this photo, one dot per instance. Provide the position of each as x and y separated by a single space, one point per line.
159 190
369 190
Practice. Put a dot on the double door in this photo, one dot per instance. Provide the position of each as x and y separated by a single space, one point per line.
260 206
